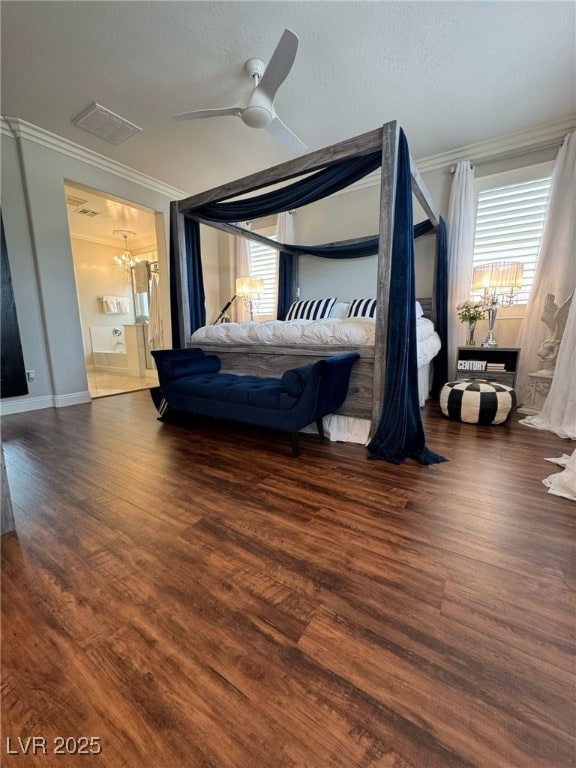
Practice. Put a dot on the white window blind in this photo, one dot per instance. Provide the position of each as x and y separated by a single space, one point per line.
510 220
264 265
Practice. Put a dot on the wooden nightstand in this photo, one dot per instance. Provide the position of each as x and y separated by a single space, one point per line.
474 362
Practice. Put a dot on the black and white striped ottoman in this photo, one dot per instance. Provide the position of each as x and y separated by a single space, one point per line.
476 401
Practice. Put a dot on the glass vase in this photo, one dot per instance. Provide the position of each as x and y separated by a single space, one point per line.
470 337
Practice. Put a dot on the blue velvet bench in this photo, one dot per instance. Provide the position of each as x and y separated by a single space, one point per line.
191 381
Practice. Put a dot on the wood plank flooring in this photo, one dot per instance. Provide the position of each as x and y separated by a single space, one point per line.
194 597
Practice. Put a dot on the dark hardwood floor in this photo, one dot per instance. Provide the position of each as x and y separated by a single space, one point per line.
195 597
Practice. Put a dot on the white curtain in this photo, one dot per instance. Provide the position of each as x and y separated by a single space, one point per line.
285 227
556 268
241 260
460 229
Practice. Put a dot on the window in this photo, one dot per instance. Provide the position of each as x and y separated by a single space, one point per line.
510 219
264 266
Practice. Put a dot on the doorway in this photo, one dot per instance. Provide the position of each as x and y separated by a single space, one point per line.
115 255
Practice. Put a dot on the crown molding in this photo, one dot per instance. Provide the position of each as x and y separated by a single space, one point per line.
144 245
14 127
510 144
531 140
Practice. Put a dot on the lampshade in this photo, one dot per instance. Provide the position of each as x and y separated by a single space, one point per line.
249 286
243 286
505 276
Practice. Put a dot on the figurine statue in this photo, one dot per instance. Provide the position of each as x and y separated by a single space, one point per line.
555 318
539 382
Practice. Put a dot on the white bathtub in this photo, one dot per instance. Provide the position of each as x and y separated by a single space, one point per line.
108 347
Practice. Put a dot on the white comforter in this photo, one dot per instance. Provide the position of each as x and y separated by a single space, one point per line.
351 331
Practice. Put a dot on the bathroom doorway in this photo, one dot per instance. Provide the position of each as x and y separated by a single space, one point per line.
115 254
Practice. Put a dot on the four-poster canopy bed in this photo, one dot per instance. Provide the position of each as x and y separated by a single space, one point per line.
383 387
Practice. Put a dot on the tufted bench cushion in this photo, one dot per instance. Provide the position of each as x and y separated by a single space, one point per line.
260 391
476 401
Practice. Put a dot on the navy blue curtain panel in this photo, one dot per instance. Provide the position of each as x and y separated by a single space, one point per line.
285 278
196 295
193 266
400 434
174 292
441 293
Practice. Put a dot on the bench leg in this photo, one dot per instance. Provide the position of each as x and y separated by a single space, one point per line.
320 426
294 441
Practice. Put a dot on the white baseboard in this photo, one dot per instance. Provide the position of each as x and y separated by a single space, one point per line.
75 398
23 404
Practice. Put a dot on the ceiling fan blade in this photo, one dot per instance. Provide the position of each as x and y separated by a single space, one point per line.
237 111
286 137
279 65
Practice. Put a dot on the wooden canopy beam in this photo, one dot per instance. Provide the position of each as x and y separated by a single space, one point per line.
321 158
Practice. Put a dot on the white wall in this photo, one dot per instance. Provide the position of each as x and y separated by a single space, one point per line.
39 251
344 216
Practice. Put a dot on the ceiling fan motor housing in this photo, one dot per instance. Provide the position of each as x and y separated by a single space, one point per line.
257 116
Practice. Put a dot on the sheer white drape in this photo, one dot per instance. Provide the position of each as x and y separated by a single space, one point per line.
285 227
460 229
241 259
556 268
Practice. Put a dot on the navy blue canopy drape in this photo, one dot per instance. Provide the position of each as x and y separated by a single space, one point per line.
441 294
285 277
194 278
369 247
400 434
314 187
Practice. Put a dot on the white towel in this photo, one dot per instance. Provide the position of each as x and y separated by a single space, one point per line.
110 305
141 277
155 323
123 305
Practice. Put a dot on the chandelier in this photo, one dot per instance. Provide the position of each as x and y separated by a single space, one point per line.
124 262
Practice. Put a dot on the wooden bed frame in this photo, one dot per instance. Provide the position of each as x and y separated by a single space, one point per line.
369 375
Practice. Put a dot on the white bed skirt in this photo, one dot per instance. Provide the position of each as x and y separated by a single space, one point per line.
347 429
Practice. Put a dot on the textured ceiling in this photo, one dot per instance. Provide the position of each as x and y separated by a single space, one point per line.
452 73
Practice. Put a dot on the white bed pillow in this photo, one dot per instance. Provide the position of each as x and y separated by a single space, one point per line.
340 310
362 308
419 310
313 309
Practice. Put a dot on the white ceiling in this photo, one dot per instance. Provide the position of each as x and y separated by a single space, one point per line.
96 217
452 73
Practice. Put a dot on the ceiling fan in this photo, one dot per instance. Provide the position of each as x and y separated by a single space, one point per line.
257 106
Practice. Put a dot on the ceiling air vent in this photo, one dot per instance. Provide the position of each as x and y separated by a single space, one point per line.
90 212
105 124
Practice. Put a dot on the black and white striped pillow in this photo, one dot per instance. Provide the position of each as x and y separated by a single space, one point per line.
362 308
313 309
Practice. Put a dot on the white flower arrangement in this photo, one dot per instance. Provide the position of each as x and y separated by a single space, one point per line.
470 312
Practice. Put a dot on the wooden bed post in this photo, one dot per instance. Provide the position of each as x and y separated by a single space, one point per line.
390 137
181 273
